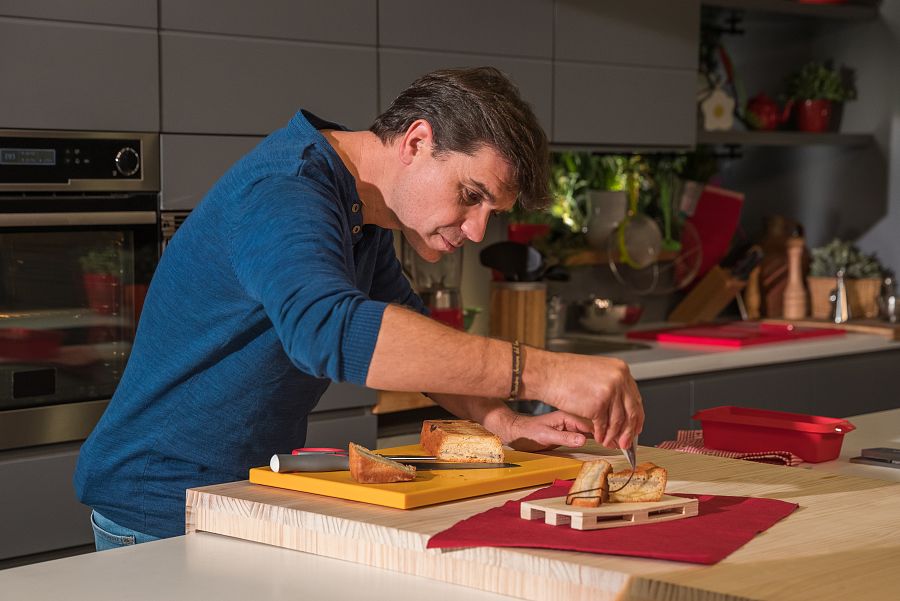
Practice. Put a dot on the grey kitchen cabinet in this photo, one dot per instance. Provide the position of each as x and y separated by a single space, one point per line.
612 105
667 409
59 75
40 511
133 13
191 164
252 86
643 33
499 27
779 387
399 68
343 395
339 21
337 430
856 384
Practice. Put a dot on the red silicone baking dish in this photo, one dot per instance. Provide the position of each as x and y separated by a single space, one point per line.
810 437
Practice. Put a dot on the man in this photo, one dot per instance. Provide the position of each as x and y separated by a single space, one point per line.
285 278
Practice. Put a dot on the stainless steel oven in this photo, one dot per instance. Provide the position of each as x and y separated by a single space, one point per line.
79 240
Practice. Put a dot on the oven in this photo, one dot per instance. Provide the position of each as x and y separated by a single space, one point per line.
79 241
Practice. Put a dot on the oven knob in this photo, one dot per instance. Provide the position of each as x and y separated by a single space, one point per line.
128 161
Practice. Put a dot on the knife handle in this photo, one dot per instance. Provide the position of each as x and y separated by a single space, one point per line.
282 463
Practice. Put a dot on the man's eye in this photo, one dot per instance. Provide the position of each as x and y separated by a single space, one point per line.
471 198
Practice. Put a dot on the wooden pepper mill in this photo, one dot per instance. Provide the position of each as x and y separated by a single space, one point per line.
795 297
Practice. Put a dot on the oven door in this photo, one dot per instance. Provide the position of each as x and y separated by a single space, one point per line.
72 284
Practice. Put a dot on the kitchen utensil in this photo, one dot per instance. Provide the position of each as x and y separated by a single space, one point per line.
840 305
604 316
637 240
608 208
610 515
329 462
515 261
429 487
631 455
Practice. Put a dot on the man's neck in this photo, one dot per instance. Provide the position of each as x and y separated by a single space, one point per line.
367 159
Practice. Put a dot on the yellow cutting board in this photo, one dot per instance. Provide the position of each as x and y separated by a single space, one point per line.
429 487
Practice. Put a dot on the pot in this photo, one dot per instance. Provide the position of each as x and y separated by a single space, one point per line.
602 315
813 115
764 113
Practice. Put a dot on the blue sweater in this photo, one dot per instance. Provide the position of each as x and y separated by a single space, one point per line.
272 288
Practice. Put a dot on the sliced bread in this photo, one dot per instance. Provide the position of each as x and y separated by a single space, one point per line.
647 484
367 467
589 489
460 440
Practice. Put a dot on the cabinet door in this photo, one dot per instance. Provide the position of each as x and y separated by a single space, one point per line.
506 27
337 431
134 13
40 511
780 388
342 395
623 106
855 384
213 84
192 164
667 409
72 76
399 68
341 21
657 33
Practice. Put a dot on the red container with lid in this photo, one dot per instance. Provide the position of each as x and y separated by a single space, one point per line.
810 437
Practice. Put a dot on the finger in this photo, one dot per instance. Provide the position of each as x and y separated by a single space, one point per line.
552 436
616 424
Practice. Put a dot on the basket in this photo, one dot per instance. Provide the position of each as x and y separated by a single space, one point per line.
811 437
861 293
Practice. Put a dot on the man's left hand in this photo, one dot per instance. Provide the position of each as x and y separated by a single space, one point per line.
546 431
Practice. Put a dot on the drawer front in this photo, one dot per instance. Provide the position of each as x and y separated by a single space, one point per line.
399 68
250 86
506 27
657 33
192 164
74 76
341 21
40 511
134 13
624 106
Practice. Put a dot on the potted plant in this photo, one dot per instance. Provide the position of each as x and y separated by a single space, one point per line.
863 276
101 271
813 91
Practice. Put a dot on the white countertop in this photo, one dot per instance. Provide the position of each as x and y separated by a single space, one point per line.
210 566
663 360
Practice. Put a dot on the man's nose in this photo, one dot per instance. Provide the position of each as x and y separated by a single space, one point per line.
476 223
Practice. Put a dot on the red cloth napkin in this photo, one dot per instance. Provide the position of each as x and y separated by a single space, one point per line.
691 441
723 525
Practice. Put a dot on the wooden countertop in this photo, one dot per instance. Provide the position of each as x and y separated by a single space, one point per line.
841 543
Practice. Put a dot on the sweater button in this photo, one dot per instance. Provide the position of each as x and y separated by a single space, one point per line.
356 229
355 208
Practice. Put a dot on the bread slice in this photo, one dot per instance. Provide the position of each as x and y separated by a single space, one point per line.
367 467
589 489
460 440
647 484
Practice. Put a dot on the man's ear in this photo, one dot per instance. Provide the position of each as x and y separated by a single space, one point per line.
417 140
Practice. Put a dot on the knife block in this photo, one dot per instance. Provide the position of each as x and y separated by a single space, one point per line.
708 298
519 312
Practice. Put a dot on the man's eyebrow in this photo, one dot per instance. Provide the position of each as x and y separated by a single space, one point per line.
483 189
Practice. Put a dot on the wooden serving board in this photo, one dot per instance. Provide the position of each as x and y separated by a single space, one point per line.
609 515
891 331
429 487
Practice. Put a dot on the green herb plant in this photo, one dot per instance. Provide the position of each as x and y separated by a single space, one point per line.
107 260
837 254
821 81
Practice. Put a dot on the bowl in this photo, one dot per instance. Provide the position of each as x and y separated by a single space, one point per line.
604 316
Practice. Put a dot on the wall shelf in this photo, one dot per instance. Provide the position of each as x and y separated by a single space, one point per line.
848 10
781 138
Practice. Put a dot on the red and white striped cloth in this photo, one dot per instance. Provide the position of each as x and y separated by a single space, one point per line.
691 441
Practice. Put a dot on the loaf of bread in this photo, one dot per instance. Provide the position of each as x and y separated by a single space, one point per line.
460 440
589 489
647 484
367 467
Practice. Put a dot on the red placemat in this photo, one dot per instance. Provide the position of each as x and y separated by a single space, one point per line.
723 525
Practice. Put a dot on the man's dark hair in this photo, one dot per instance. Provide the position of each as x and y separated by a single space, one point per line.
468 109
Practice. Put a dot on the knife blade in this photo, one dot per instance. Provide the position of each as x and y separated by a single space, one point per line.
282 463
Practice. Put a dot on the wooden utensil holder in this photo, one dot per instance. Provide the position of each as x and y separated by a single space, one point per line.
519 312
708 298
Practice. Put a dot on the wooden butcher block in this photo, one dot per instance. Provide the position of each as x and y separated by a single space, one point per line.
429 487
842 542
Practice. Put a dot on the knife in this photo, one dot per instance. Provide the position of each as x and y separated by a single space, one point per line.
323 462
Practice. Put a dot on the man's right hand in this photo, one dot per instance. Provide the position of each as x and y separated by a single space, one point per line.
600 389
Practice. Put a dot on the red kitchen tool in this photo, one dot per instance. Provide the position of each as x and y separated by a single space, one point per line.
733 334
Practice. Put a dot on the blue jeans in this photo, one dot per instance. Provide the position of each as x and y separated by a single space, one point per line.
109 535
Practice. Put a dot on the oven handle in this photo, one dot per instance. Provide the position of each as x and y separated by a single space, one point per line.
88 218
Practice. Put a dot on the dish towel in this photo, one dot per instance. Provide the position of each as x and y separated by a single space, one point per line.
723 525
691 441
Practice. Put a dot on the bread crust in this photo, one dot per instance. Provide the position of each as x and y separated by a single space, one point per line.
367 467
461 441
648 484
590 486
